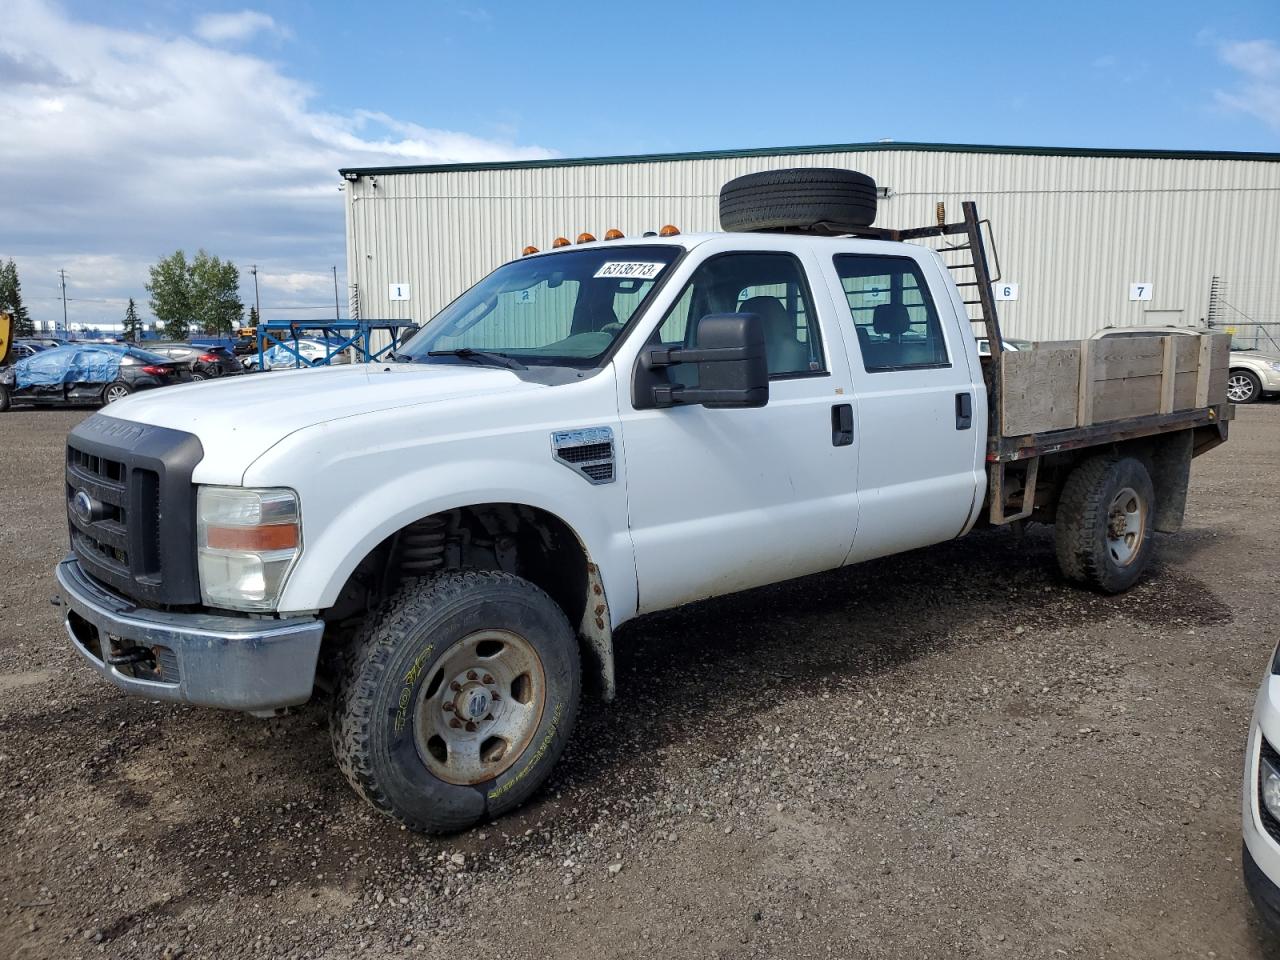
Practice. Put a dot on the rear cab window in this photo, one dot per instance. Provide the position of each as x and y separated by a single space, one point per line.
893 313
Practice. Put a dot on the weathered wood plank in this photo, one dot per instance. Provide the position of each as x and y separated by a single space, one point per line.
1184 388
1084 403
1116 358
1204 370
1217 385
1188 353
1041 388
1125 397
1220 350
1167 372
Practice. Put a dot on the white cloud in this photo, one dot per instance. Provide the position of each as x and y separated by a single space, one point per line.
1258 90
121 145
221 27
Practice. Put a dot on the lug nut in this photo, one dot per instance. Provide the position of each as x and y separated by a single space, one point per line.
455 686
471 674
493 695
448 705
488 678
471 727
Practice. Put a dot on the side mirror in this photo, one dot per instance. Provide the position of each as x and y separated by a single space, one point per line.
733 369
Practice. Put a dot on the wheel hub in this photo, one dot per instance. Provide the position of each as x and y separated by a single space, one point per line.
480 707
1126 526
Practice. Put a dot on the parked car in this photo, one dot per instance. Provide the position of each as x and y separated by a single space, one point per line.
46 343
206 362
23 349
984 345
312 349
86 373
1253 373
680 418
1260 856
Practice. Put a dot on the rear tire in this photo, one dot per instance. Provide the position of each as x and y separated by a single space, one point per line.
416 727
115 391
817 199
1103 527
1243 386
4 398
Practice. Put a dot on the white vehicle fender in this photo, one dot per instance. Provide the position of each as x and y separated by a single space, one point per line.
346 528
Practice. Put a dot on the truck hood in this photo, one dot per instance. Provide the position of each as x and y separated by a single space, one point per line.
238 418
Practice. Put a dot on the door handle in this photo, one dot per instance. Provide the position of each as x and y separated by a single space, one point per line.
964 411
842 425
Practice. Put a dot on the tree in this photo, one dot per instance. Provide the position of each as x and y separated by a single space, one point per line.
170 290
132 323
253 316
11 300
215 294
203 292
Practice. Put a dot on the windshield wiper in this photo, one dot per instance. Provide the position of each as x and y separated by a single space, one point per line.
480 356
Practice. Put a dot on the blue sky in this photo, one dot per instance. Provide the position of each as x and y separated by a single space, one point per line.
150 125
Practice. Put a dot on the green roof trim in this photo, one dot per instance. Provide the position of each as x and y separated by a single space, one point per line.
352 172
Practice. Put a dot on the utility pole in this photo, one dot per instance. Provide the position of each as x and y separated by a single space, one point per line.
62 274
257 303
337 312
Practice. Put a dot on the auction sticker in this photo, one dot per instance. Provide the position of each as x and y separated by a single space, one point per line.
630 270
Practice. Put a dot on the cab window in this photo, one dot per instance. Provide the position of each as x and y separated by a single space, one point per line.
771 285
893 313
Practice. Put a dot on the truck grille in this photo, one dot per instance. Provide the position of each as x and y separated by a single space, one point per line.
131 508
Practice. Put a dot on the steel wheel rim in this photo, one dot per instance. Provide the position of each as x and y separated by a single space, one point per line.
1239 388
1126 526
479 707
116 393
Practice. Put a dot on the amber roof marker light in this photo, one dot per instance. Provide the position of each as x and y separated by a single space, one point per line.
585 237
670 230
529 250
560 242
613 233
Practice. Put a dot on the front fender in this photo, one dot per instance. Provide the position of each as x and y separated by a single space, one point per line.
338 531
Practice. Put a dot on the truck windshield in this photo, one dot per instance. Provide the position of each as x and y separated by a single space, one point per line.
561 309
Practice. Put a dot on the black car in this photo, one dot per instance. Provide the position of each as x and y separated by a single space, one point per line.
23 349
205 362
86 373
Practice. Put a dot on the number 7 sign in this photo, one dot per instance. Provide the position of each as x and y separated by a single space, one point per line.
1140 291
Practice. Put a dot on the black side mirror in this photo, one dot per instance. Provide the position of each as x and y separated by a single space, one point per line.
733 369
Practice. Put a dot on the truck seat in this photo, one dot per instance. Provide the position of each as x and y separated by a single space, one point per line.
786 354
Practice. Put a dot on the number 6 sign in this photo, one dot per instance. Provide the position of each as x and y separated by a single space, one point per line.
1005 290
1140 291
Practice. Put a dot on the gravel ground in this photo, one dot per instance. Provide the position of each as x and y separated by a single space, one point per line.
950 753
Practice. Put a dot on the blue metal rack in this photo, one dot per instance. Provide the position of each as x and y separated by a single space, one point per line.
337 335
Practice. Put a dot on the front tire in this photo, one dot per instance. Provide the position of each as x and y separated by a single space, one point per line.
457 700
4 398
1243 386
1102 530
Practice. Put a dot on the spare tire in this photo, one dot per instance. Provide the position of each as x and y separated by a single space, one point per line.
819 199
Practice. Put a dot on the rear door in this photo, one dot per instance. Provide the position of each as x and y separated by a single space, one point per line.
920 405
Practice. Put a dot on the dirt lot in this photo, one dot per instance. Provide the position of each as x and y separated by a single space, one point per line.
949 753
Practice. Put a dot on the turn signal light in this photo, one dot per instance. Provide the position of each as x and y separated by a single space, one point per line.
669 231
561 242
528 250
586 238
613 233
259 539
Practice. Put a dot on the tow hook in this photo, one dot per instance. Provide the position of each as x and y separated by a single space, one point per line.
131 656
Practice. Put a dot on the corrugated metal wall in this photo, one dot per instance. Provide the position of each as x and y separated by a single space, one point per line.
1074 232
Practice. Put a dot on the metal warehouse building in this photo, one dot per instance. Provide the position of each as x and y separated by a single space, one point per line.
1085 238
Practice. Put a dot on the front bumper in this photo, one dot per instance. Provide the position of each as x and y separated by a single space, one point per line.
236 663
1261 862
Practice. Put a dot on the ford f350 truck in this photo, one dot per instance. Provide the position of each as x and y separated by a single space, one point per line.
447 541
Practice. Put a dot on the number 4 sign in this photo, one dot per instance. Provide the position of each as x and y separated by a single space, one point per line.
1140 291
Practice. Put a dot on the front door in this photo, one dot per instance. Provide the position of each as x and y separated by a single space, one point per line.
724 500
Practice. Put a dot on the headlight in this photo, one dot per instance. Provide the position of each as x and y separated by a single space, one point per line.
1269 781
1276 367
248 542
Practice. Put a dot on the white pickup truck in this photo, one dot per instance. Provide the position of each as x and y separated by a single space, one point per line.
445 542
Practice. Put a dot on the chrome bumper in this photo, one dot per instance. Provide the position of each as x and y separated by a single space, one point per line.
218 661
